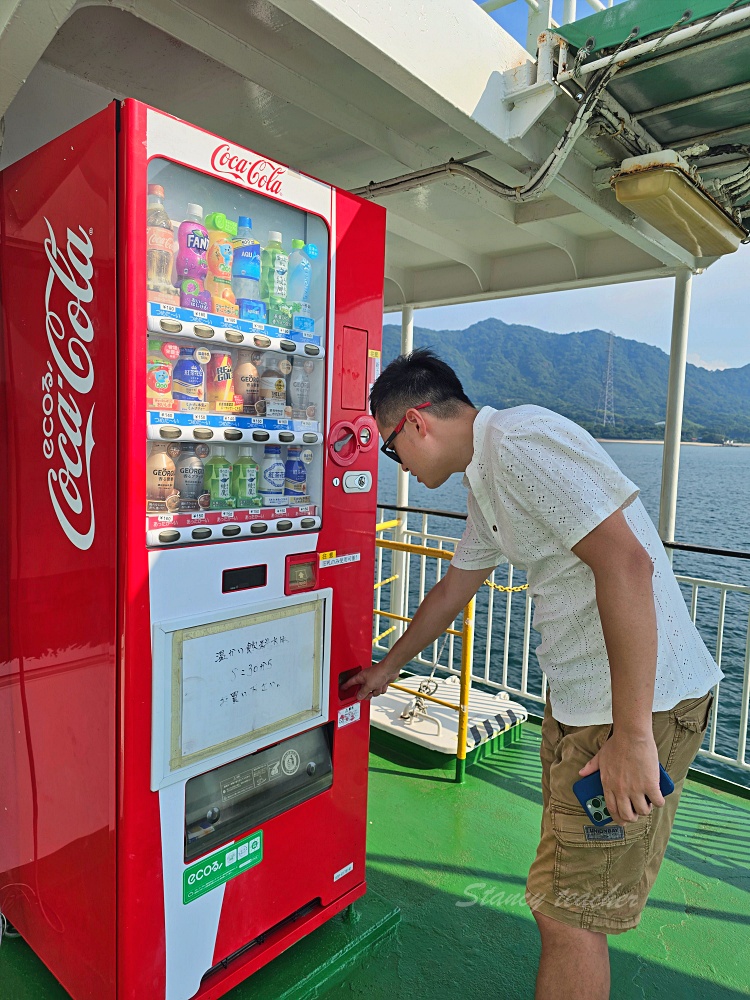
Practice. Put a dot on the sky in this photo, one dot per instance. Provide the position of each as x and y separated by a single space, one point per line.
719 335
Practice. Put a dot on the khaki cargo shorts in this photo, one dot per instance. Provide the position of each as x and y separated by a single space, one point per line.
599 878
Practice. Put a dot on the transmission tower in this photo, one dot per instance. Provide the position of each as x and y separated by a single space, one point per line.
607 398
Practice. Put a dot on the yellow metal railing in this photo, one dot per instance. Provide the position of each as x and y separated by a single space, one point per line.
467 646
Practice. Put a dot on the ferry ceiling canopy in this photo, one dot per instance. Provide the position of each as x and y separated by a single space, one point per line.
500 167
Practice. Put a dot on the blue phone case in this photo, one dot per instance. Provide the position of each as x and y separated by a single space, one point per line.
590 794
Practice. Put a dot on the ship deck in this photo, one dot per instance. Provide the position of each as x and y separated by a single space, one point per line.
434 844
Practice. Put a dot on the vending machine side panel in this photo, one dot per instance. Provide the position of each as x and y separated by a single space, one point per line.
141 934
57 657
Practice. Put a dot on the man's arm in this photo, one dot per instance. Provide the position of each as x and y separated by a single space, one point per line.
439 608
623 572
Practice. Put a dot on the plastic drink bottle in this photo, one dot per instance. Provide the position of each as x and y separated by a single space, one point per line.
272 387
219 383
221 232
188 479
161 495
246 381
189 382
158 378
271 472
295 473
274 267
246 272
246 479
300 280
160 248
192 262
218 479
299 387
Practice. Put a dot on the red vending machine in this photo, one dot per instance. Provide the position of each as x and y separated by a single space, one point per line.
189 332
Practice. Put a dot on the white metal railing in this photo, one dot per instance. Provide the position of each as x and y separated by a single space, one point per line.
502 658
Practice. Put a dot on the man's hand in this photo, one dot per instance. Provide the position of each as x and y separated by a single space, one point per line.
372 680
630 776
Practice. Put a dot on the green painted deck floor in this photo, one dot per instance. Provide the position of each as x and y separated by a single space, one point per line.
434 845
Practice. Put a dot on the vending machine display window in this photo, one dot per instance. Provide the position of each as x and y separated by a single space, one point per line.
237 289
238 682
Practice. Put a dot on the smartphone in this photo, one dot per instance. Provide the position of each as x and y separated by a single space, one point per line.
590 794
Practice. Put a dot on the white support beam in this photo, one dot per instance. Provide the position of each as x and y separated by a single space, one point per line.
267 61
675 397
400 598
26 29
529 273
430 240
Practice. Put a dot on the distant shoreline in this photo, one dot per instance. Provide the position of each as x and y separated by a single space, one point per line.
698 444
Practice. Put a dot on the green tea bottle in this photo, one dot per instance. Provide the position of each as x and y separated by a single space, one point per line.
246 479
218 479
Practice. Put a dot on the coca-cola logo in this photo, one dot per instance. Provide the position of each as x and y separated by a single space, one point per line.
67 422
260 174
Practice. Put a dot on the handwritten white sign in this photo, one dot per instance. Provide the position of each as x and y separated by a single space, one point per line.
243 681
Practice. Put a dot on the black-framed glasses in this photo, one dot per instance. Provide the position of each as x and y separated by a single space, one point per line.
386 445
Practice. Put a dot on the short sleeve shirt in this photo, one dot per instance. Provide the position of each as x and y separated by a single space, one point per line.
538 483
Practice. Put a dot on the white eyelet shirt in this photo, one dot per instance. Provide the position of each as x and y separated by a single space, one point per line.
538 483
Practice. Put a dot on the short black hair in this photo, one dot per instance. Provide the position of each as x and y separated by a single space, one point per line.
419 377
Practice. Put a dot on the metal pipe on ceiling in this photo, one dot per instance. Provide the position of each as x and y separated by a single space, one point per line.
684 34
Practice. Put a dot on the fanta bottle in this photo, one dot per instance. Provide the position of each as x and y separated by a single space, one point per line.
219 257
192 261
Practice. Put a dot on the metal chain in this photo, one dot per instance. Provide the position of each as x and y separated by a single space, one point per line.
506 590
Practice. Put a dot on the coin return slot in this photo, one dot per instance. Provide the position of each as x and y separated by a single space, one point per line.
206 332
170 432
202 433
169 536
230 530
232 435
170 325
261 341
284 525
200 533
310 438
287 345
258 528
312 350
285 437
261 435
233 338
307 522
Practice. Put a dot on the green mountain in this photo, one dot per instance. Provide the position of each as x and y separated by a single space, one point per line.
505 365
